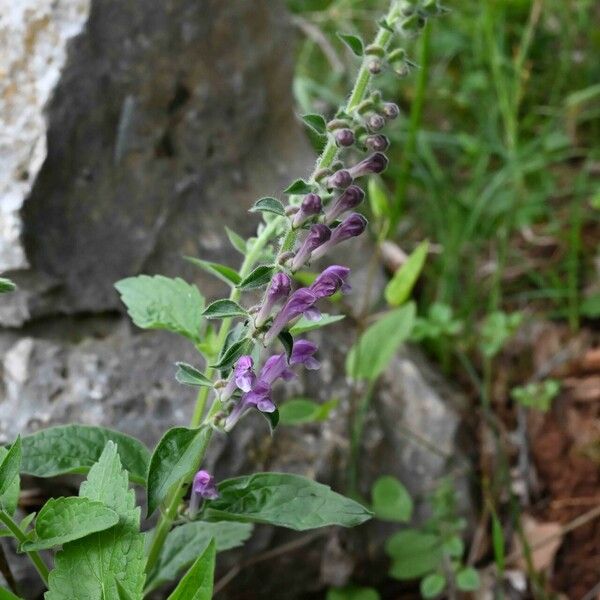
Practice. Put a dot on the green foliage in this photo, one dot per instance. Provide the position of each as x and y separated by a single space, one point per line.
285 500
467 580
258 278
176 457
303 324
316 122
8 595
222 272
198 581
162 303
496 330
353 42
537 395
91 567
352 592
270 205
232 353
391 500
75 448
237 241
6 285
63 520
439 323
224 309
186 542
299 186
432 585
9 467
9 498
414 553
301 410
378 344
398 290
189 375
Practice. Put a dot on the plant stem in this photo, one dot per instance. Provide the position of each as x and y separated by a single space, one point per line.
20 535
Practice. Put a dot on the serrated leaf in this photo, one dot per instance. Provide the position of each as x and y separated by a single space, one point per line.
163 303
232 353
259 277
6 285
198 581
10 465
270 205
189 375
75 448
303 324
432 585
285 500
176 457
378 344
398 290
391 500
9 499
299 186
222 272
186 542
236 240
316 122
414 553
300 411
63 520
90 567
353 42
224 309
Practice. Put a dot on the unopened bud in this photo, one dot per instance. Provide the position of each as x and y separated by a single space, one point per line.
377 142
375 122
344 137
340 179
374 66
390 110
375 50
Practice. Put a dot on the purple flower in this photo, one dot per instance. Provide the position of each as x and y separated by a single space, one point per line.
302 354
340 179
377 142
316 237
391 110
300 302
375 122
278 291
330 281
203 488
376 163
350 198
242 377
259 397
344 137
311 206
275 367
350 227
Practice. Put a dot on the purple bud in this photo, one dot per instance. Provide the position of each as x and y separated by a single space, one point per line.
375 122
302 354
376 163
350 227
377 142
344 137
330 281
350 198
316 237
340 179
311 206
298 303
242 377
391 110
203 488
278 291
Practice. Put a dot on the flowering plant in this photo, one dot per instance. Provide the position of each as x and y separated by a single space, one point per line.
103 553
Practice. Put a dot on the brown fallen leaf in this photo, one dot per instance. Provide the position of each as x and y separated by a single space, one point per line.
583 389
544 540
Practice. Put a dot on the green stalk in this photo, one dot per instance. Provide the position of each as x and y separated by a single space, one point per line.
20 535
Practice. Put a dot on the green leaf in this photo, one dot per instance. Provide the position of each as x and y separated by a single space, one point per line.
175 458
232 353
391 500
272 419
186 542
259 277
90 567
301 410
303 324
398 290
270 205
353 42
7 595
353 592
224 309
63 520
378 344
75 448
6 285
432 585
299 186
189 375
467 580
237 241
414 553
316 122
198 581
9 499
163 303
498 542
122 593
285 500
378 198
9 467
222 272
454 546
287 341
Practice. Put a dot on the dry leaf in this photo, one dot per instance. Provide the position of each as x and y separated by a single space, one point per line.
544 541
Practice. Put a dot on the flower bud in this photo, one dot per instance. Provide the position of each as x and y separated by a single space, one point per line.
349 199
300 302
377 142
374 66
331 280
278 291
340 179
375 122
350 227
203 488
344 137
391 110
376 163
317 236
311 206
